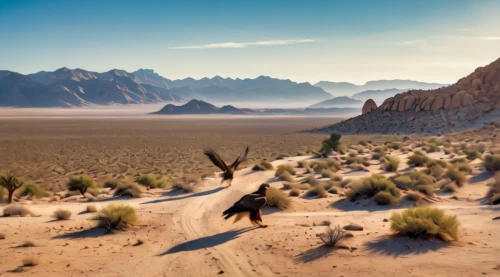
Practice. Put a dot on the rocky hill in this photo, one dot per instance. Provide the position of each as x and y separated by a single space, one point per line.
472 101
201 107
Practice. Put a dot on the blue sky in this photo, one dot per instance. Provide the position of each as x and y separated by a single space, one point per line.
353 41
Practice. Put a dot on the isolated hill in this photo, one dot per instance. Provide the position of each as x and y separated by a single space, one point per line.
344 88
377 95
339 102
472 101
200 107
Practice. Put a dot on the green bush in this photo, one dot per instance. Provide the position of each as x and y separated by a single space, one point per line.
331 143
492 162
390 164
276 198
151 181
284 168
418 159
128 189
425 222
81 183
33 190
115 216
370 186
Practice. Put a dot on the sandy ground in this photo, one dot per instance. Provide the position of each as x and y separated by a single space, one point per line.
185 235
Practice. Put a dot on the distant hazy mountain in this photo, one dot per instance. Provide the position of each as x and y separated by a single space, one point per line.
201 107
340 89
148 76
377 95
338 102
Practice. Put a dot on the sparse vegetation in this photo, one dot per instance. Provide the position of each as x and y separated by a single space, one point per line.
284 168
394 145
128 189
372 186
312 180
330 144
332 236
115 216
385 198
456 175
61 214
415 180
318 191
151 181
425 222
414 196
276 198
80 183
32 190
286 176
327 164
418 159
493 194
11 181
492 162
450 187
263 166
390 164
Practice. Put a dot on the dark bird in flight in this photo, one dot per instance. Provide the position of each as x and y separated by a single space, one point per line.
249 205
228 170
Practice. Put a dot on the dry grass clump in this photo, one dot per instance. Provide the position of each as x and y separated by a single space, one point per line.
425 222
356 160
337 177
306 166
151 181
456 175
385 198
61 214
276 198
294 193
430 147
183 186
325 173
81 183
414 196
418 159
31 260
286 176
115 216
318 191
303 186
91 209
437 171
128 189
328 164
32 190
312 180
373 185
332 236
288 186
16 210
390 164
112 183
284 168
492 162
415 180
263 166
335 190
394 145
472 154
464 167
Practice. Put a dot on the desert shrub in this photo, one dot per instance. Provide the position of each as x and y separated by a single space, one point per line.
94 191
437 171
328 164
115 216
318 191
425 222
112 183
303 186
183 186
432 162
363 143
91 209
284 168
352 154
325 173
151 181
283 156
414 196
303 164
16 210
287 177
492 162
357 160
294 193
370 186
336 177
263 166
312 180
330 144
431 147
415 180
394 145
450 187
33 190
418 159
11 181
276 198
441 183
31 260
61 214
345 182
456 175
385 198
458 160
80 183
378 156
328 184
332 236
128 189
380 149
472 154
390 164
464 167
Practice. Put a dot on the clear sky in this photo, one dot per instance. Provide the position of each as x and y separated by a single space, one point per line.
354 41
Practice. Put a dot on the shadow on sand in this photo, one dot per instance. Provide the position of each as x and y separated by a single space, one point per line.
203 193
398 246
207 242
314 254
481 177
368 205
87 233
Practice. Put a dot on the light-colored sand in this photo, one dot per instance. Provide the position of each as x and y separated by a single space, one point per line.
185 235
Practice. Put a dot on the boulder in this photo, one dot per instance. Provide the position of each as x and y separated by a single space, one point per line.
437 104
353 227
409 102
369 106
467 100
456 101
447 103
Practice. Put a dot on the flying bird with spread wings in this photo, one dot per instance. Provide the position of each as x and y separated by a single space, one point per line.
249 205
228 170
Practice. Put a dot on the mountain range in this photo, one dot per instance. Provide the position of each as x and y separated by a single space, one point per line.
348 89
339 102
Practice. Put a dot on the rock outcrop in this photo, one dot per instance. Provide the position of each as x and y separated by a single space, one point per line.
472 100
369 106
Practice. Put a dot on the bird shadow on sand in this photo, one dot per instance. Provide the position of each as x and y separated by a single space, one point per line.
87 233
207 242
481 177
368 205
313 254
202 193
400 246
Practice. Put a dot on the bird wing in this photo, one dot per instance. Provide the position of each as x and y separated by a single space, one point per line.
216 159
238 161
248 203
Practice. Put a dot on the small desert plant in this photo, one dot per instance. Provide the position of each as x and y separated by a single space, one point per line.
418 159
371 186
330 144
287 177
318 191
390 164
11 181
415 180
33 190
336 177
394 145
263 166
112 183
128 189
472 154
294 193
80 183
151 181
284 168
328 164
91 209
61 214
437 171
456 175
492 162
31 260
115 216
385 198
325 173
431 147
312 180
414 196
464 167
335 190
276 198
332 236
16 210
424 222
357 160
